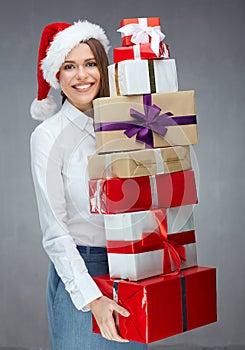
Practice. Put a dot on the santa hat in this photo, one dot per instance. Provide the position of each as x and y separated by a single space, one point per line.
57 40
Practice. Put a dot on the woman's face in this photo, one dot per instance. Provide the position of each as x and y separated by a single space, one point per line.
80 77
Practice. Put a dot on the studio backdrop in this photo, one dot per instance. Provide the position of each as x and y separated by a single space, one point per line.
206 37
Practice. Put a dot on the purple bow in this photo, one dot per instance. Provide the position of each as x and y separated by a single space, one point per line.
150 121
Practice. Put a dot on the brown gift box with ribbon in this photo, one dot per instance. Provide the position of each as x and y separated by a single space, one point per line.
139 163
125 123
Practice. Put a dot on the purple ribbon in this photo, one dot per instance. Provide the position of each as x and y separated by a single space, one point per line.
146 123
150 121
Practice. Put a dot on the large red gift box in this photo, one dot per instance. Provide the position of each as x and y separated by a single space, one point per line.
163 306
121 195
140 52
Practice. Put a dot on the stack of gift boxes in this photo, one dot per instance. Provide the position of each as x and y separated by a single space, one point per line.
142 181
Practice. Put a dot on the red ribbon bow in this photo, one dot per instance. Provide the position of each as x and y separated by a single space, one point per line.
173 251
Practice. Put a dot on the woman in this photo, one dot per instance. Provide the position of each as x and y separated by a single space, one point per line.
72 57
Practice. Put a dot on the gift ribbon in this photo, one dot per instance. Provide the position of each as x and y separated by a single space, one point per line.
150 242
150 121
147 123
154 192
136 51
141 34
151 78
159 161
165 51
117 80
115 298
108 168
171 249
184 309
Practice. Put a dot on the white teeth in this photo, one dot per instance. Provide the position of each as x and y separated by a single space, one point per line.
82 86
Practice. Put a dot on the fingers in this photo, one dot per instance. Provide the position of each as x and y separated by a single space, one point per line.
108 329
103 309
110 333
121 310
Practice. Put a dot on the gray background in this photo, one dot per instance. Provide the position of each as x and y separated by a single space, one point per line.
206 38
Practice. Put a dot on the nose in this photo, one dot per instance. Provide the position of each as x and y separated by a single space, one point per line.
81 72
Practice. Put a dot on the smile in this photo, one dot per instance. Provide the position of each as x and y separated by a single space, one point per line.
82 86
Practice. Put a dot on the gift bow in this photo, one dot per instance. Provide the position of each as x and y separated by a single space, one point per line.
150 121
141 32
171 249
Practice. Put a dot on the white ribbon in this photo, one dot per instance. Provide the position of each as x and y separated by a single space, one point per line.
108 165
136 49
141 32
154 195
159 161
165 51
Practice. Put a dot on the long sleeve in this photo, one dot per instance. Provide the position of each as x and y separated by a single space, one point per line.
47 164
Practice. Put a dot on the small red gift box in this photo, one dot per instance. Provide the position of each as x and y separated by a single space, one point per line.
121 195
140 52
135 30
163 306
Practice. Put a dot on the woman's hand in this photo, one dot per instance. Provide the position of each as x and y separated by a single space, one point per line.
103 309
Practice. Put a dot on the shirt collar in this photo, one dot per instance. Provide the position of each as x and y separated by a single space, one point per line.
80 119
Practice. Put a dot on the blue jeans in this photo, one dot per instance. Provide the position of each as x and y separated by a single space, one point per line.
69 328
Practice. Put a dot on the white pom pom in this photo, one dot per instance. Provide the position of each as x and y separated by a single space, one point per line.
41 110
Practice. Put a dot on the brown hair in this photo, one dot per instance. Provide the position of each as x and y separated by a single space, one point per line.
102 62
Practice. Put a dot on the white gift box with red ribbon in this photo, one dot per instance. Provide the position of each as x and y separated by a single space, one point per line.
149 243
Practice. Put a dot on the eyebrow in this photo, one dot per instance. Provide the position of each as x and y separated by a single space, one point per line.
86 60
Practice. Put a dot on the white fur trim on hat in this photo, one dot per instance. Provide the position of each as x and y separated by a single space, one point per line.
64 42
43 109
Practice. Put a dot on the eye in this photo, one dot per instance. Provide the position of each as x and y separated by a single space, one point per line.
69 66
92 64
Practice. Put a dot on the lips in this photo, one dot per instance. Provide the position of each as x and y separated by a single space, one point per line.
82 86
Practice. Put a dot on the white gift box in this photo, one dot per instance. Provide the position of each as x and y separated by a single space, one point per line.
136 77
126 229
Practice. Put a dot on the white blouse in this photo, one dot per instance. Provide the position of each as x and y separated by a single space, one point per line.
59 149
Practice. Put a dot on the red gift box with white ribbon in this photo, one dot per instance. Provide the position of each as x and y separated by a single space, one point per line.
163 306
149 243
121 195
141 30
140 52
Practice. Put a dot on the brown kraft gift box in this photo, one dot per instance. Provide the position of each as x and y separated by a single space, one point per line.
139 163
175 115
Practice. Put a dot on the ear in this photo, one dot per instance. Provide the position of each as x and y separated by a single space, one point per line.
58 76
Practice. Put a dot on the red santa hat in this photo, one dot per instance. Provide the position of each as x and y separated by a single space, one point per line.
57 40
